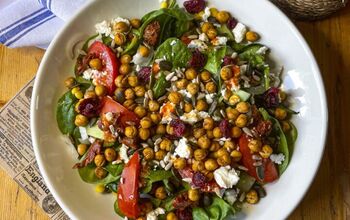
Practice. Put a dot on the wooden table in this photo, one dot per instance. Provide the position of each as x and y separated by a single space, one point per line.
329 195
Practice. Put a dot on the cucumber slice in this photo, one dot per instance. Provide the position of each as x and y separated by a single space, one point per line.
95 132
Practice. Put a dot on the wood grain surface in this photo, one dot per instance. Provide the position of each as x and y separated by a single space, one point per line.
329 195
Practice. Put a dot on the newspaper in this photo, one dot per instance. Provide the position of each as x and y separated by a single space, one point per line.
17 155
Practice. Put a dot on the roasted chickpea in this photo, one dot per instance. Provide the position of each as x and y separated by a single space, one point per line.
121 26
160 193
144 51
208 123
175 97
155 117
146 122
81 148
231 113
204 142
130 104
252 197
99 160
181 84
229 145
171 216
153 105
226 73
206 26
210 134
221 152
140 111
124 69
79 94
209 176
215 146
280 114
144 133
241 121
234 99
243 107
141 218
69 82
89 94
179 163
140 91
236 155
222 16
214 12
125 59
148 153
193 88
224 160
133 81
110 154
199 132
266 151
75 90
251 36
165 144
202 105
200 154
119 39
135 23
121 81
254 145
95 64
129 94
217 132
198 166
161 129
227 94
193 195
212 33
100 90
81 120
188 107
100 172
285 126
210 87
159 155
169 129
205 76
211 164
190 73
236 132
131 131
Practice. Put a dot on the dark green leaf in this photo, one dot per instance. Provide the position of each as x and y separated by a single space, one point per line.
155 176
115 169
174 51
107 40
87 174
223 30
218 210
84 84
65 113
291 136
214 61
113 186
168 204
131 48
199 214
75 136
250 54
160 86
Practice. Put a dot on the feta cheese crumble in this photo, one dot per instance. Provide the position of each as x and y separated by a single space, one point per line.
153 215
123 153
226 177
262 50
219 41
104 28
194 116
277 158
239 32
203 37
209 98
206 14
183 150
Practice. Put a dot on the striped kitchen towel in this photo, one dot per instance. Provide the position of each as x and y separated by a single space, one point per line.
34 22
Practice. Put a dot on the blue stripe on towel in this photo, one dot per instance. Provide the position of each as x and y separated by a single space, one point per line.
25 25
27 31
22 19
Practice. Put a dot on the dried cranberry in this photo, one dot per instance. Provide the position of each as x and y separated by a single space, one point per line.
198 60
271 98
228 61
194 6
182 201
179 127
263 128
232 23
90 107
185 214
199 180
225 128
144 74
95 148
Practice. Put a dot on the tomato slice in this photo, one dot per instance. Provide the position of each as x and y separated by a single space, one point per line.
128 189
110 65
270 170
126 116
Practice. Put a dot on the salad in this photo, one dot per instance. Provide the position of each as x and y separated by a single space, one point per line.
178 114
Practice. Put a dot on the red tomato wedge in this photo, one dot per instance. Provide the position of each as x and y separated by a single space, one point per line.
128 189
110 65
270 170
109 105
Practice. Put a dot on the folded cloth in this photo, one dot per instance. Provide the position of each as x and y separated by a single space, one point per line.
34 22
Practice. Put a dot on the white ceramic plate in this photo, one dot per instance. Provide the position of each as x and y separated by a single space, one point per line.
301 77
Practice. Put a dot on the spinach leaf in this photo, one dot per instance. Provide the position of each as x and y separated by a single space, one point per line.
83 83
291 136
156 176
223 30
283 144
86 44
174 51
250 54
115 169
160 86
167 204
87 174
214 61
75 136
107 40
65 113
199 214
218 210
131 48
